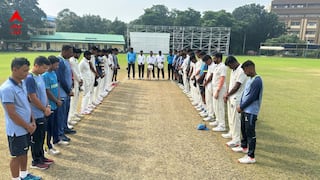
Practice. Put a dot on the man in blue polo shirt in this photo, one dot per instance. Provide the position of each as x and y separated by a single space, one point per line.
19 122
131 57
40 110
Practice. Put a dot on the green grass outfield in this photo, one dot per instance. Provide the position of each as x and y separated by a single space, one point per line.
288 127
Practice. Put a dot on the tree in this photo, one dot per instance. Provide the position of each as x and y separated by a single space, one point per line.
217 19
156 15
188 17
118 27
31 14
68 21
253 26
284 39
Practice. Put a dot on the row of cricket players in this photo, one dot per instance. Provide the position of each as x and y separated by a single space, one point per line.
204 82
95 75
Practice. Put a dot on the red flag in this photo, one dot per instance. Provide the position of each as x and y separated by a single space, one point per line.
16 16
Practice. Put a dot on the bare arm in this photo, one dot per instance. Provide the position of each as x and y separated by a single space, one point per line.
18 120
36 102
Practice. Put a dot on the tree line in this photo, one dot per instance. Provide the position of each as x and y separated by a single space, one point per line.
250 24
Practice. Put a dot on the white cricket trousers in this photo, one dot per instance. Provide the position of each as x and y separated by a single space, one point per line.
234 120
96 91
218 105
74 100
209 100
102 86
185 82
87 91
109 80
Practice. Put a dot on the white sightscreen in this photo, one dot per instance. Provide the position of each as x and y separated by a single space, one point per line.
150 42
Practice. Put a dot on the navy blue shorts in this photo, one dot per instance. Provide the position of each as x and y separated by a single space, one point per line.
19 145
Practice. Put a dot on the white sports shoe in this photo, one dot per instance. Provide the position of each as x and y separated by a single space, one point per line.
200 109
203 114
63 142
208 118
232 144
247 160
79 115
240 149
227 135
214 123
219 129
72 122
53 151
75 118
194 104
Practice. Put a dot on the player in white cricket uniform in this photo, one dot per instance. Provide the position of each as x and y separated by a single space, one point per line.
219 88
208 88
111 67
88 75
77 81
236 86
141 61
151 60
160 64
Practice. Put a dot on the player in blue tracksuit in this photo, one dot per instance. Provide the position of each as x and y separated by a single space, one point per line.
249 108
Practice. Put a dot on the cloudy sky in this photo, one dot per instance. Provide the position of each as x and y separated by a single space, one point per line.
128 10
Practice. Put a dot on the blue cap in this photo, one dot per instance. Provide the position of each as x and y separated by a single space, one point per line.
202 127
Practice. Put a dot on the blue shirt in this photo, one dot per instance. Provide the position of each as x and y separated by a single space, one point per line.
170 59
64 76
35 85
131 57
204 68
51 82
13 93
252 96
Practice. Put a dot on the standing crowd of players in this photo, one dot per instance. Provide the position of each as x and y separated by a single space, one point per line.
41 105
203 79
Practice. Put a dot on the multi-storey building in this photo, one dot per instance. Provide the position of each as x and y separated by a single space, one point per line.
302 17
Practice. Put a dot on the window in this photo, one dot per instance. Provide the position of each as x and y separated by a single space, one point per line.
312 24
314 5
301 5
310 32
294 32
297 15
295 23
313 15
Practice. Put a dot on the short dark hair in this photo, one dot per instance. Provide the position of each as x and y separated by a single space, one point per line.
77 50
86 53
19 62
230 60
41 60
206 58
94 48
247 63
202 53
53 59
218 55
193 57
66 47
116 49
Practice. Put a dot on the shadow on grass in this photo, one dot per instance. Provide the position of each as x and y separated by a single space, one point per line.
285 154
